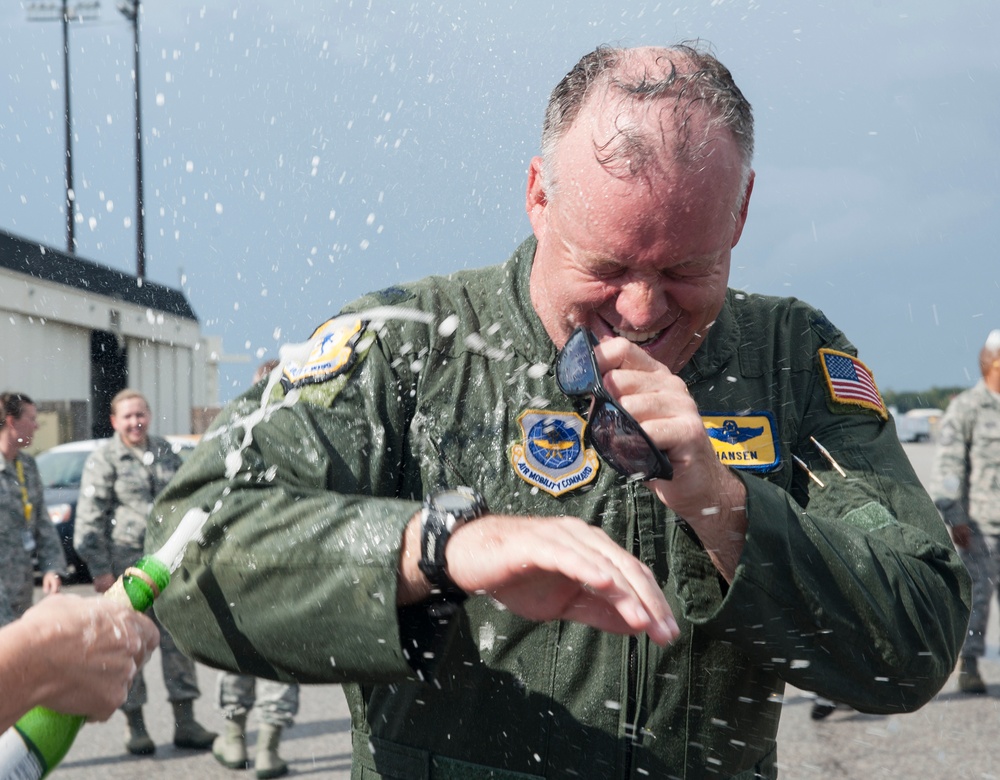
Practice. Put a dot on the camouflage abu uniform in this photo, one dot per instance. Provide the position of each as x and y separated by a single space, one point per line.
6 613
966 489
116 493
277 703
16 566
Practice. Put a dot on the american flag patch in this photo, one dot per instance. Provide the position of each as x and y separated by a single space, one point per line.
849 381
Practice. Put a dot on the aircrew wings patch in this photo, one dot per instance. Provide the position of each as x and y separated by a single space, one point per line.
744 441
850 385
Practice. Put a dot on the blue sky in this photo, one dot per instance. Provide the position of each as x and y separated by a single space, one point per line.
299 154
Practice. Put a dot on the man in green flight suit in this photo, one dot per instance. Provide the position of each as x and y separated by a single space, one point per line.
577 621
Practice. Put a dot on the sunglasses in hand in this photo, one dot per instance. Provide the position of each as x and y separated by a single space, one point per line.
614 433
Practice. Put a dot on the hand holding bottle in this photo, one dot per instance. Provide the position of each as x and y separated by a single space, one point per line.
74 655
88 654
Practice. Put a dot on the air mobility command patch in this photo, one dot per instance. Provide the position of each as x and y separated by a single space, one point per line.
332 351
552 454
849 384
744 441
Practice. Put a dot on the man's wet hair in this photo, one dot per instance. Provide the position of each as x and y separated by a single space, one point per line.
686 74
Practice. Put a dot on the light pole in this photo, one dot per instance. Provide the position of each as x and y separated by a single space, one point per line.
47 12
130 10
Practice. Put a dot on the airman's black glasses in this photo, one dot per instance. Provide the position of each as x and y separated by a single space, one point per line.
614 433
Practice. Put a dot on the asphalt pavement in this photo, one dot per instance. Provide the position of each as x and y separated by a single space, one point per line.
952 738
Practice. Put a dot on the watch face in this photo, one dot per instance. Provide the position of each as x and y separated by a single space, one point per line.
460 503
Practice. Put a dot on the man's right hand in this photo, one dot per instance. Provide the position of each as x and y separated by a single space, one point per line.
103 581
86 652
961 535
548 568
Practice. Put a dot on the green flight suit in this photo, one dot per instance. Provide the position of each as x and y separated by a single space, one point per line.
853 591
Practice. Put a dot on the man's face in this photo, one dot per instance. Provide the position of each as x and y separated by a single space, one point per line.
645 256
24 427
131 421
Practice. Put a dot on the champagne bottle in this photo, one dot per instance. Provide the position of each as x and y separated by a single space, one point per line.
33 746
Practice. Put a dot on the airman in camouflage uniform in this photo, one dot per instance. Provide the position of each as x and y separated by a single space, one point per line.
6 613
116 492
25 527
120 480
277 704
966 489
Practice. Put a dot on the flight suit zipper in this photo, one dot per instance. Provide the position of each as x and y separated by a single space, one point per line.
632 657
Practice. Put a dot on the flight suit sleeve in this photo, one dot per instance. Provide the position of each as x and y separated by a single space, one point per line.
853 590
94 511
295 574
950 483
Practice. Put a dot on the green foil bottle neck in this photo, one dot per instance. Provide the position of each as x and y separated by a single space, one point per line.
142 591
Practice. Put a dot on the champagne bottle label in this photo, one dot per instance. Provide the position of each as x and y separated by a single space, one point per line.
17 762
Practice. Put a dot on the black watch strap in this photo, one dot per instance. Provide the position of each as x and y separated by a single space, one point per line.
443 512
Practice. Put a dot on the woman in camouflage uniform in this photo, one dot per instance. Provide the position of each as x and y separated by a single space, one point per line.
120 480
24 522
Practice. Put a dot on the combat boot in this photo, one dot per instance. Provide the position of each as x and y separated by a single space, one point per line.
822 708
267 762
969 680
230 747
189 733
137 739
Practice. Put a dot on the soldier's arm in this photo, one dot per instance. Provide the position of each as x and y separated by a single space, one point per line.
950 477
853 589
300 497
51 559
94 512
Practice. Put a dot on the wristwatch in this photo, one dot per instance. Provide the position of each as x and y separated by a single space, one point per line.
442 513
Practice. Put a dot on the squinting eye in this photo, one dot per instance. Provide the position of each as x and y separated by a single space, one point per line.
689 271
608 271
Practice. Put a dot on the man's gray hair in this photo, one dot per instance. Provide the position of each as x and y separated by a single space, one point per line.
990 352
685 74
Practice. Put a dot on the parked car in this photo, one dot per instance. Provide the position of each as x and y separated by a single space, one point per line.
917 424
61 468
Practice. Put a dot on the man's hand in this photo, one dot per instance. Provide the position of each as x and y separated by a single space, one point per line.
51 583
548 568
86 652
961 535
709 496
103 581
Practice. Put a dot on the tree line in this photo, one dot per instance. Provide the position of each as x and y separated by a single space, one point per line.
935 398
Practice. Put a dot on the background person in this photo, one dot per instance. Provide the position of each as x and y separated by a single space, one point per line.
571 624
26 532
277 704
72 655
966 489
120 480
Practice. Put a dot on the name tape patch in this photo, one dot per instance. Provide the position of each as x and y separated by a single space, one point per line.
744 441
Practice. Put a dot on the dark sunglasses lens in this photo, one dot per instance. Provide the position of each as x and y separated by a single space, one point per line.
620 440
575 370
